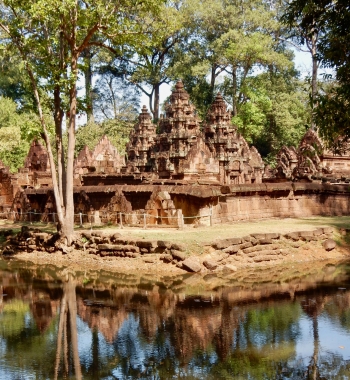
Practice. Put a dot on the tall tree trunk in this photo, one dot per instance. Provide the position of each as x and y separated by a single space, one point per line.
68 227
58 118
156 102
314 74
212 81
88 85
59 203
234 91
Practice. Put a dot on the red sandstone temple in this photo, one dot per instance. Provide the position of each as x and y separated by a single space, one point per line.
183 171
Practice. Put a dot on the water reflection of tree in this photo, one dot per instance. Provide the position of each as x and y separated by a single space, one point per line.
67 327
313 308
24 326
263 344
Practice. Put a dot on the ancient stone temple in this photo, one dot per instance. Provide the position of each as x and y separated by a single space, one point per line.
311 161
184 150
238 163
37 171
141 142
103 160
6 190
180 151
183 171
83 162
287 161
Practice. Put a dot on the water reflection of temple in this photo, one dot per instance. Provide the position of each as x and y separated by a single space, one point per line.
224 321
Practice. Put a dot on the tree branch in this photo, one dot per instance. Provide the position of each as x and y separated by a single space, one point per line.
293 44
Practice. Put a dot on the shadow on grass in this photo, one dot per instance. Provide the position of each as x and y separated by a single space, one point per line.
332 221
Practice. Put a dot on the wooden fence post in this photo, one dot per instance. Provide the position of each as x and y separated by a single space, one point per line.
121 220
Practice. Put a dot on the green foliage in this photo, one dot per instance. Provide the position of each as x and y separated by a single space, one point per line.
14 82
273 112
331 20
252 117
269 342
116 130
12 319
16 132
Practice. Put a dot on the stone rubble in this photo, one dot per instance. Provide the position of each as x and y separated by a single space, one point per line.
224 253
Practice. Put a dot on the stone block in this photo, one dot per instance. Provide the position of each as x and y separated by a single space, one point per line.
265 241
232 249
258 248
210 264
192 264
120 241
111 247
253 249
229 268
146 244
178 255
328 230
318 232
329 244
221 256
305 233
272 235
246 245
178 247
41 236
164 244
292 236
106 253
222 244
261 258
310 237
166 257
115 236
132 255
258 236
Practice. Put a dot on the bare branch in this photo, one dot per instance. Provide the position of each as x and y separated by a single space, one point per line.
293 44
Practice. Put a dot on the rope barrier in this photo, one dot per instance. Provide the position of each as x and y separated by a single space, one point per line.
33 216
110 214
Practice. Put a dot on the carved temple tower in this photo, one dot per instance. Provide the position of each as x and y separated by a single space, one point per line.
238 163
141 141
180 151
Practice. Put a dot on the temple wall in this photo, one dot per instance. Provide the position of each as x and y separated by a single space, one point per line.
205 205
301 200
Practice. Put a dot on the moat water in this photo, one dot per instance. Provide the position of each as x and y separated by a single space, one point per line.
55 324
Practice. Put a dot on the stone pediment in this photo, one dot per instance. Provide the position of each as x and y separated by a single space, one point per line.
37 158
106 155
